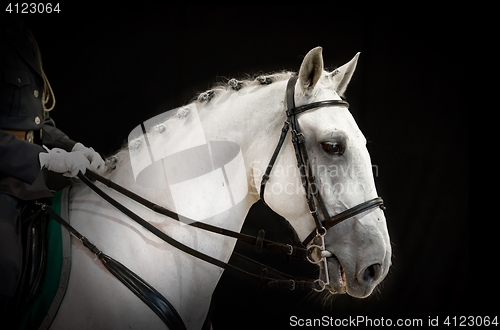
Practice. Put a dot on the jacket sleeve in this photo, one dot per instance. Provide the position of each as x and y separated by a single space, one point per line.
18 158
52 137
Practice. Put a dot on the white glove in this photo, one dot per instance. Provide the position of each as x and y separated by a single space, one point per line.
60 161
96 162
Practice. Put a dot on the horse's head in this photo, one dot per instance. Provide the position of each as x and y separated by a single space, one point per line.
339 161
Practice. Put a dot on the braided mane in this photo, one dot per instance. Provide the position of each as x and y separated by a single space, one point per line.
231 85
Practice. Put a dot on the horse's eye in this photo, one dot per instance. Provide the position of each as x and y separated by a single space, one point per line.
333 148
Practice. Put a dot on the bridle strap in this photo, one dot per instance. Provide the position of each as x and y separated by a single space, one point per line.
296 110
265 177
298 142
353 211
349 213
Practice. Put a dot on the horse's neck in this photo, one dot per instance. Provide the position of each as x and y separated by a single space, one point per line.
253 119
245 119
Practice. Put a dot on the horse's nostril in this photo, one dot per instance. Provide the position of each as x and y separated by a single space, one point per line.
371 273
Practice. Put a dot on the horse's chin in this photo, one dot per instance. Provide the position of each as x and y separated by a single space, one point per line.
340 284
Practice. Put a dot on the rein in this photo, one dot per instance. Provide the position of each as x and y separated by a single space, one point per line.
280 279
258 241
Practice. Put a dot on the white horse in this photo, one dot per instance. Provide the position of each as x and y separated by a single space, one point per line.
239 125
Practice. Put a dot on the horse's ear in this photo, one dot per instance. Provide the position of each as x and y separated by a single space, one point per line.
342 75
311 69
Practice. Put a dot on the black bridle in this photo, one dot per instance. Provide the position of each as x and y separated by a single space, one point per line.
313 195
315 240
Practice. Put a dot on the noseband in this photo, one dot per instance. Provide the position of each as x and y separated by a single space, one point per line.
308 179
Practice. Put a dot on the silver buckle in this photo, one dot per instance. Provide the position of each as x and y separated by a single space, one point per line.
30 137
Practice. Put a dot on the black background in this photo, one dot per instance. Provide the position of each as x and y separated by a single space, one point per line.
112 68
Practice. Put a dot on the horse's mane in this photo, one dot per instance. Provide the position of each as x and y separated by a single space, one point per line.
218 90
230 85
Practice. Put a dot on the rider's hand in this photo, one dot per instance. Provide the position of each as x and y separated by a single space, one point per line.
70 163
96 162
60 161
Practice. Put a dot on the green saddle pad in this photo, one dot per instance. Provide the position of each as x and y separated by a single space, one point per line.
43 309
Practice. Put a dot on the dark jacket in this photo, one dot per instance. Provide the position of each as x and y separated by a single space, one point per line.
21 87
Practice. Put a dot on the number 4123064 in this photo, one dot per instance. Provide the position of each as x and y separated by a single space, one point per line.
475 321
33 8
